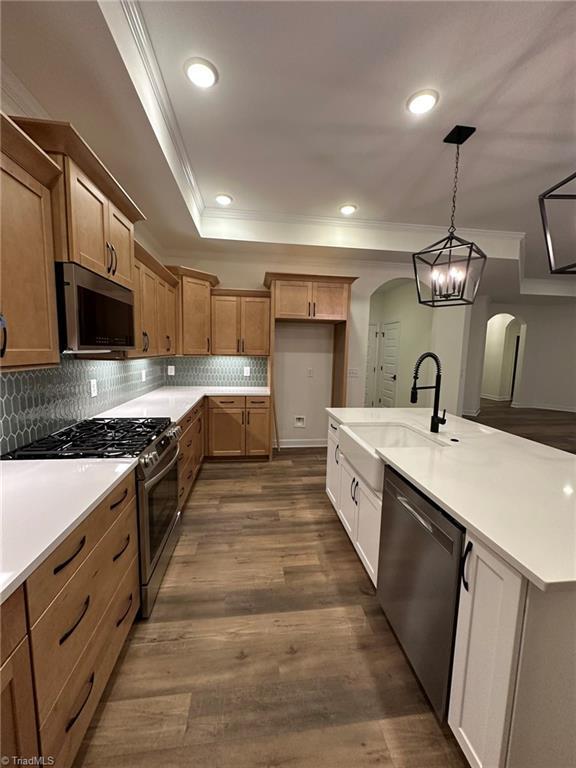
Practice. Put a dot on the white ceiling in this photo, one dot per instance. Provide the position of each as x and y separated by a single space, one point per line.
309 110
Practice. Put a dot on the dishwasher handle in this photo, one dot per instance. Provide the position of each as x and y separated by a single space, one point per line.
467 551
422 520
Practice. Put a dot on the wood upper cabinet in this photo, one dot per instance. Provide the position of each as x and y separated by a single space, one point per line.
161 307
139 338
195 316
29 330
330 301
148 288
257 431
255 325
226 432
240 324
293 299
170 325
312 299
226 325
121 235
88 222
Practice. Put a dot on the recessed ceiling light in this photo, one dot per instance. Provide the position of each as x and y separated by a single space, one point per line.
201 72
348 209
223 200
422 101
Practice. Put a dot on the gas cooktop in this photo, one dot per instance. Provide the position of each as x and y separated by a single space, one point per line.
95 439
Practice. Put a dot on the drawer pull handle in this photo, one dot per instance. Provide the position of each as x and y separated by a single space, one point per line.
127 611
333 427
120 500
257 402
189 475
226 402
124 548
73 719
68 632
72 556
467 551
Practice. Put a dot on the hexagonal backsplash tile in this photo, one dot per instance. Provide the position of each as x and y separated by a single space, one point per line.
35 403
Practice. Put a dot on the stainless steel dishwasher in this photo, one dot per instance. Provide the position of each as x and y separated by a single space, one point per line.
418 582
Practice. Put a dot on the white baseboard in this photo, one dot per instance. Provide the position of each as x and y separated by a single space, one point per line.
471 413
305 442
546 407
499 398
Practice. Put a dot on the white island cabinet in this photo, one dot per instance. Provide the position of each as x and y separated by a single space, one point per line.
333 466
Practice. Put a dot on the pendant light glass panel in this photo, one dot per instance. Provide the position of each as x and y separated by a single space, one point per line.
448 272
558 211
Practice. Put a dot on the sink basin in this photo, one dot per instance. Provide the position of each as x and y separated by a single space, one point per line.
359 443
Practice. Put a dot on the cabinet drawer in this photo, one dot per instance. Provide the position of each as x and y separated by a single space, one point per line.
47 580
192 414
227 401
12 623
69 718
60 636
186 479
258 402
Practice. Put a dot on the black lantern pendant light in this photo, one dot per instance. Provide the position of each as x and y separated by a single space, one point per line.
449 271
559 224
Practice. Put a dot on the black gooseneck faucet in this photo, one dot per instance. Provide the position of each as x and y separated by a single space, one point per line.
436 420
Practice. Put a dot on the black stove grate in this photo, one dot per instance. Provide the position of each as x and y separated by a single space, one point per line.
96 439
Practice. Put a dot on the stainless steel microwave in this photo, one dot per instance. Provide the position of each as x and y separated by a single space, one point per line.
94 314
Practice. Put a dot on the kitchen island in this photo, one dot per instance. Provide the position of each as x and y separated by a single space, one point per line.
513 690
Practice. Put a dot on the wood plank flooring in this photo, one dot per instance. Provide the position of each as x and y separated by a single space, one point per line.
267 647
554 428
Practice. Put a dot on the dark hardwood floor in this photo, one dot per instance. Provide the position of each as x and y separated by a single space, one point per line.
554 428
267 647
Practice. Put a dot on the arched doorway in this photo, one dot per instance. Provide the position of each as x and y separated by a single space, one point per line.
399 330
503 357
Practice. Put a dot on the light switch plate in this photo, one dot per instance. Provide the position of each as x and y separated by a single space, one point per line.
143 373
93 387
310 373
246 370
171 370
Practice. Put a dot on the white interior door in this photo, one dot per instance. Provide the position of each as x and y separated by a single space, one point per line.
371 365
386 373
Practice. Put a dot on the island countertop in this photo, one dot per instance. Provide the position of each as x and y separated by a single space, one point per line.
516 495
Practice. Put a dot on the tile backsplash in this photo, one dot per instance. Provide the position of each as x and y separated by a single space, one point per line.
219 371
37 402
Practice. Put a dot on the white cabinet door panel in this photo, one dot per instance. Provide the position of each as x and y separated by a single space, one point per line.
348 508
333 472
368 529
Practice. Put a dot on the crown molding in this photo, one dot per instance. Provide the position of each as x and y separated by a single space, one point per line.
16 98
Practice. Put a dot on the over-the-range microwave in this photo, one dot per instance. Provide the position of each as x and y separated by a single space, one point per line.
94 314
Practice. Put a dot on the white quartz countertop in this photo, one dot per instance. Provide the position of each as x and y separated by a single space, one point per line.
516 495
175 401
42 502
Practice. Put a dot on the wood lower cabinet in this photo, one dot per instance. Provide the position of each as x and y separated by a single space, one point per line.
257 431
28 324
196 333
226 432
191 450
18 731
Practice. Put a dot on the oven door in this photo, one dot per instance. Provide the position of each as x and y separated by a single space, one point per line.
157 511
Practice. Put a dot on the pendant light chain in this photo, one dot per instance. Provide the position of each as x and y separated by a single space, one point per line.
452 227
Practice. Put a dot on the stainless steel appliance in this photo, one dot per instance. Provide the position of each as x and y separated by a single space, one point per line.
94 314
418 583
158 513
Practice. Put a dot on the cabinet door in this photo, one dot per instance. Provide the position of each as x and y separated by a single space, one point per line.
88 223
27 288
170 327
162 316
195 317
257 432
138 350
333 472
199 441
149 312
18 721
348 509
485 657
121 236
293 299
330 301
255 325
226 432
225 325
368 529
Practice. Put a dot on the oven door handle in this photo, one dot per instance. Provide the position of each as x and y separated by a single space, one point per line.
156 479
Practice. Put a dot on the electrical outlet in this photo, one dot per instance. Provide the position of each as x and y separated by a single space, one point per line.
171 370
143 374
300 422
93 387
246 370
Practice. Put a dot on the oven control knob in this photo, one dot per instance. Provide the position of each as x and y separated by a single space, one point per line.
145 460
154 457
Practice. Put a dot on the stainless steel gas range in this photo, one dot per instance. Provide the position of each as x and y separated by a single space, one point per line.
155 443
